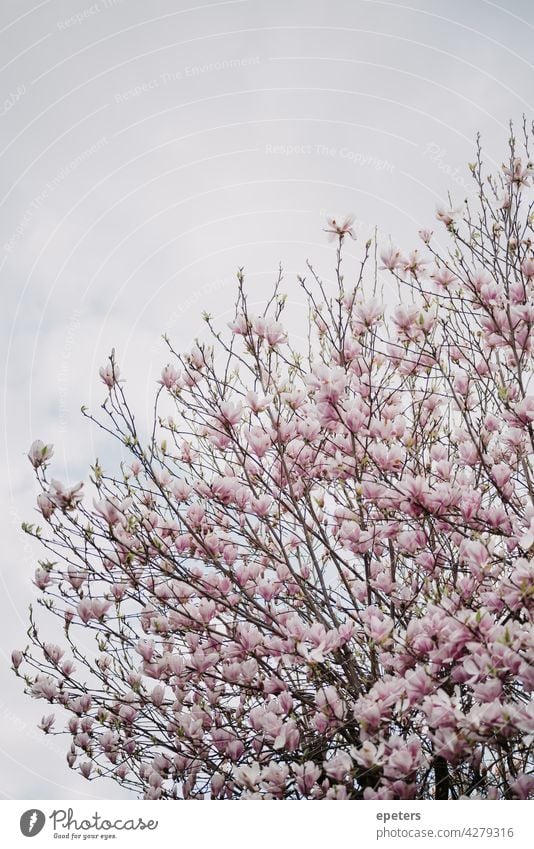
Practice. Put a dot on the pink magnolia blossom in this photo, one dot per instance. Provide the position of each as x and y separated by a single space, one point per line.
368 313
66 498
45 505
16 658
340 229
271 331
444 277
109 374
169 377
307 776
449 216
239 325
517 173
527 267
40 453
46 723
391 259
338 766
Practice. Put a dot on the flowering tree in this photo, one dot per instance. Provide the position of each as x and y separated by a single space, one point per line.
315 579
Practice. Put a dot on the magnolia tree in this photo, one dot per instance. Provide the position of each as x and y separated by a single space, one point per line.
315 579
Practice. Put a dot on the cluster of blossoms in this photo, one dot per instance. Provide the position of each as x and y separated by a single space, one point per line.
316 579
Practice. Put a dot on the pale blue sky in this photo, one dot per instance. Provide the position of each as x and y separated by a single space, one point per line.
147 150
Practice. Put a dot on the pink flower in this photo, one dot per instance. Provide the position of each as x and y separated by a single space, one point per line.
330 383
92 609
44 687
257 404
42 578
425 235
501 474
378 626
368 313
146 649
443 277
517 174
524 410
488 691
66 498
418 684
230 413
39 453
157 695
109 374
405 317
261 506
258 440
274 777
127 713
86 768
341 229
248 776
111 510
307 775
45 505
390 259
461 383
450 745
270 330
46 723
197 357
339 766
239 326
413 265
527 539
330 702
288 738
475 555
169 377
527 267
16 658
523 786
181 490
492 423
217 783
53 652
404 759
369 755
449 216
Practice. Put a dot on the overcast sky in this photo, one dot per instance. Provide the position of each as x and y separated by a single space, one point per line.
148 150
